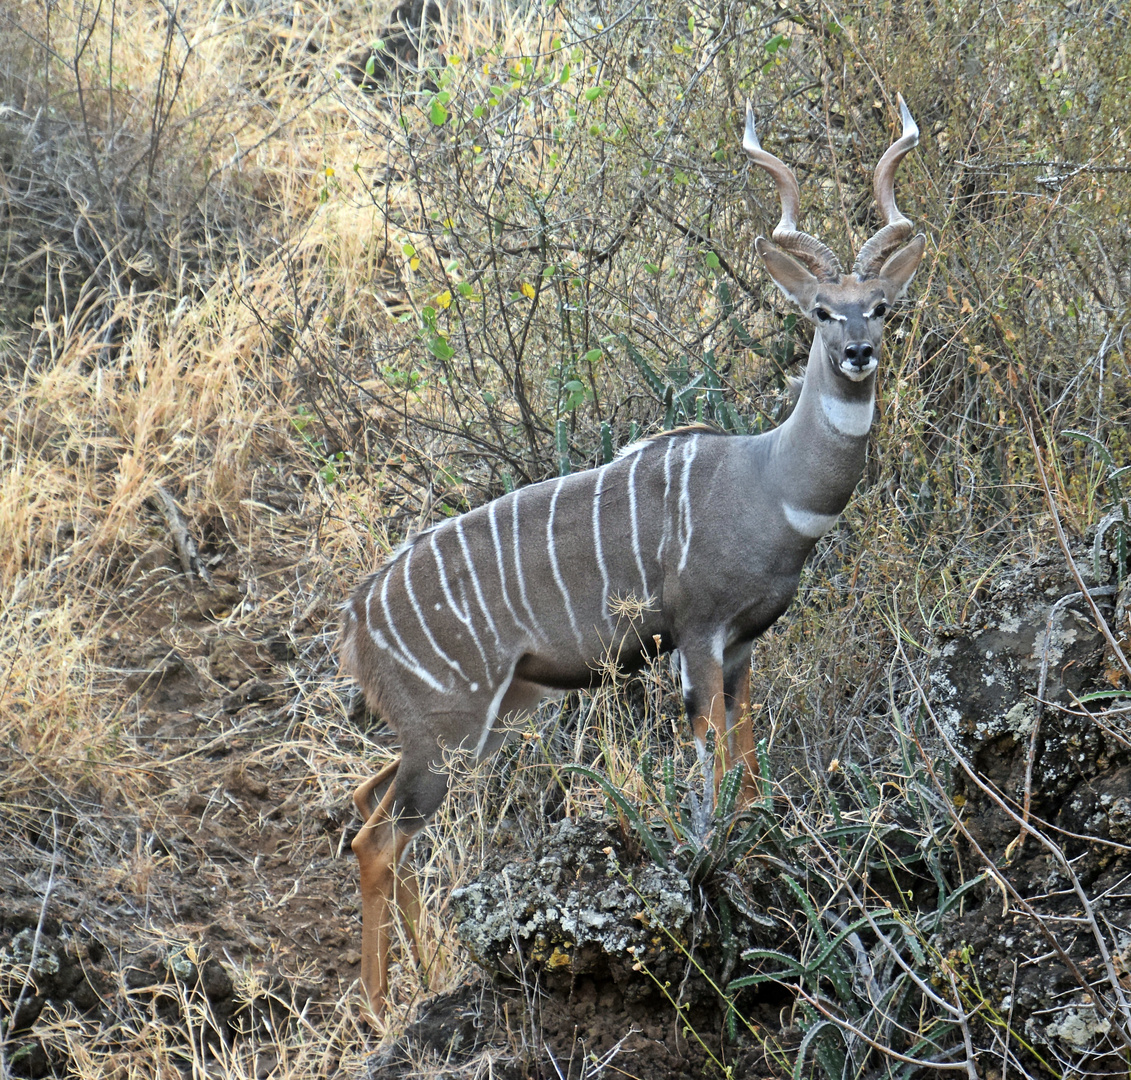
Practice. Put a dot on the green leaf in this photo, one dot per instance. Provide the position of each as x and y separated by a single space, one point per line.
625 807
1090 440
594 92
574 393
437 114
1103 695
712 260
561 444
592 356
655 383
441 349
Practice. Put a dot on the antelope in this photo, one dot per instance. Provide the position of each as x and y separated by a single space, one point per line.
474 621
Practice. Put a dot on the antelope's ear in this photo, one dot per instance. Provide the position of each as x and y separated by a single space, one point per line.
789 275
897 272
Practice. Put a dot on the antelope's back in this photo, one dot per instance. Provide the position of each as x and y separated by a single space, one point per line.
546 577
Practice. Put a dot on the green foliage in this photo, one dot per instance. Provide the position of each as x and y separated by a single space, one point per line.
702 835
869 888
860 879
1118 520
589 197
329 464
509 266
688 399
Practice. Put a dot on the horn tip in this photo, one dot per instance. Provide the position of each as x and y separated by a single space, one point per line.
750 141
910 128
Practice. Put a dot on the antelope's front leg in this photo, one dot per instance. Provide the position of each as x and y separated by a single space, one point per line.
740 726
704 698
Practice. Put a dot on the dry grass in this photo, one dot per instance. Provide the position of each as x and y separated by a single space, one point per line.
230 275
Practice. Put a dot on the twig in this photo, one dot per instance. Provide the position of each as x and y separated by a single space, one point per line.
970 1070
840 1022
35 941
182 538
1101 622
1040 709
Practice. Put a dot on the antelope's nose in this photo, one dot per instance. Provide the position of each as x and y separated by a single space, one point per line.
859 353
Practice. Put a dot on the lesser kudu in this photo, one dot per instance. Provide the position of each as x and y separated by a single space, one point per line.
475 620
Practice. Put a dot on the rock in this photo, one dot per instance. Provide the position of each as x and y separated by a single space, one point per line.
1001 688
578 906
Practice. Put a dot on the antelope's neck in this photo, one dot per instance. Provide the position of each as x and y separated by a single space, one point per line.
821 446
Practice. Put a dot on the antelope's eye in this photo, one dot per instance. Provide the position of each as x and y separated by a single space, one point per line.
879 311
821 314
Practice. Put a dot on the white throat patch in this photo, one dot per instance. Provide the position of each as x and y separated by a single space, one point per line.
807 523
848 417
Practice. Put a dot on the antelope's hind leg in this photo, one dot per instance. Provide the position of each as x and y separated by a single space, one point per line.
397 801
406 899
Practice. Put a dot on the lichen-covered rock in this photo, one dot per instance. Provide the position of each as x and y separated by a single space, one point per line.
984 677
579 905
986 684
987 690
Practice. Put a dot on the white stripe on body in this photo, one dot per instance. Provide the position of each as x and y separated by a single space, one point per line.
399 652
475 582
518 570
461 615
635 525
599 551
452 663
492 517
690 449
492 710
667 491
552 548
